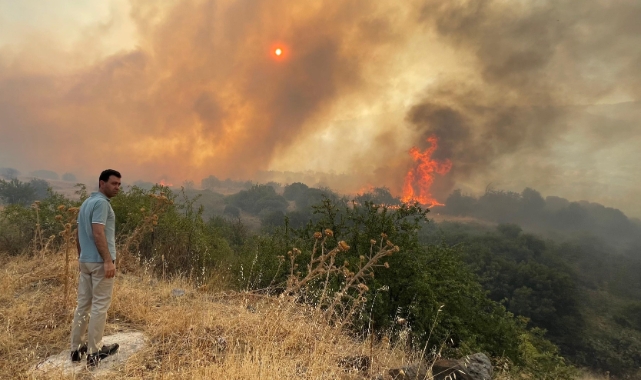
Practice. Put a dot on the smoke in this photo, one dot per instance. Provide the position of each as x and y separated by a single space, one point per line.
200 94
533 70
515 91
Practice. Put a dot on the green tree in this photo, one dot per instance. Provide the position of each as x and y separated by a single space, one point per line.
17 192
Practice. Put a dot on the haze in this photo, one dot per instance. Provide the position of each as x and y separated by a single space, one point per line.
541 94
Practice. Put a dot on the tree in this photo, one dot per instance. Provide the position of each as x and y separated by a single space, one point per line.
69 177
210 182
46 174
9 173
40 187
257 199
16 192
295 191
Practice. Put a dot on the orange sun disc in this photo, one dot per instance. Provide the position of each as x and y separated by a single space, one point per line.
278 51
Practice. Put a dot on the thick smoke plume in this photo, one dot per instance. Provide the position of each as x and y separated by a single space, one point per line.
515 91
533 71
201 94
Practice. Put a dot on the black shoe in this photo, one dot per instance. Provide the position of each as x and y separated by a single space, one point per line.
76 355
105 351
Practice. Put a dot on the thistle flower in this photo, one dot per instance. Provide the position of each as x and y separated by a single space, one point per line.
389 244
372 242
361 257
329 232
343 246
58 217
61 207
386 265
383 235
363 287
142 209
318 235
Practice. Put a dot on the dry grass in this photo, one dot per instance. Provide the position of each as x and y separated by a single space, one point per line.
199 335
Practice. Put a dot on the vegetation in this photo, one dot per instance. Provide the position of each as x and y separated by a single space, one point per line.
580 285
370 270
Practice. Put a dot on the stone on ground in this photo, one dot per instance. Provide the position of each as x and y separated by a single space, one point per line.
130 342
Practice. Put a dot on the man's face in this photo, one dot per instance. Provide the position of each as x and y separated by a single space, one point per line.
111 187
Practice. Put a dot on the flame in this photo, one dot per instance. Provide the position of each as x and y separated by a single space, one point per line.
420 178
165 183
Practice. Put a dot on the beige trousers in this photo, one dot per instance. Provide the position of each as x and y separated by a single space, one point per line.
94 298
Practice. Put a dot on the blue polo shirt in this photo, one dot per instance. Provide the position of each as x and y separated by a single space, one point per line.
96 209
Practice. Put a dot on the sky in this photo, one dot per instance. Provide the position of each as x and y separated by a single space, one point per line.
518 93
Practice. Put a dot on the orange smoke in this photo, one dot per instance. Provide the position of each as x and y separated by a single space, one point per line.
419 179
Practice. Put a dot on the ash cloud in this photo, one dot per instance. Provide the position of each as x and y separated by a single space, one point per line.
511 89
533 69
201 93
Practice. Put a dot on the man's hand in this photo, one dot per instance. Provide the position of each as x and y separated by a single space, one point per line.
110 269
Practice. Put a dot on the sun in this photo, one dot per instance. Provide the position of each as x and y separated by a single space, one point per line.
278 51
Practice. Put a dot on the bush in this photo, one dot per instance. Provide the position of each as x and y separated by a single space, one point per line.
177 240
33 227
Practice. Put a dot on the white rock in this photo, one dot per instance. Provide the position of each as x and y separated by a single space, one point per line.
130 342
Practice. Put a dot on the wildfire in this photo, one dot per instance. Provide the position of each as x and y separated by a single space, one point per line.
165 183
419 179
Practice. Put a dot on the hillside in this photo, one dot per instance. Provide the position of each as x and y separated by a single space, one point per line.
206 333
461 284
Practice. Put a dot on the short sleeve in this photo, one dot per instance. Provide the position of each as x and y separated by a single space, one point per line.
100 213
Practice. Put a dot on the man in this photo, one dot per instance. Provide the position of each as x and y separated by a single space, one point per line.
96 243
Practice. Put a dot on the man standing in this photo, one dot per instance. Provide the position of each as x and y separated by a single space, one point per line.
96 243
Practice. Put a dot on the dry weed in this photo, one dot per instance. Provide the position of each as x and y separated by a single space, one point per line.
197 335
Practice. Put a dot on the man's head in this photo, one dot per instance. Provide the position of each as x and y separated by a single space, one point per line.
109 183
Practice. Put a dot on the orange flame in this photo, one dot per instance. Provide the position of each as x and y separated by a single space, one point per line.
165 183
419 179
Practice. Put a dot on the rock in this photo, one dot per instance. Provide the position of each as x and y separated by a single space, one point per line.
445 369
177 292
61 366
478 366
471 367
413 372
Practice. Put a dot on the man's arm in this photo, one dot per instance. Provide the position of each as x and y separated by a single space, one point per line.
77 241
101 244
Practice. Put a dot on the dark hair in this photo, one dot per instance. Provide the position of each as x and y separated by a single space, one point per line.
104 176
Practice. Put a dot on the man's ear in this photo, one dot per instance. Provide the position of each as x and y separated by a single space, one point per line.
100 183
